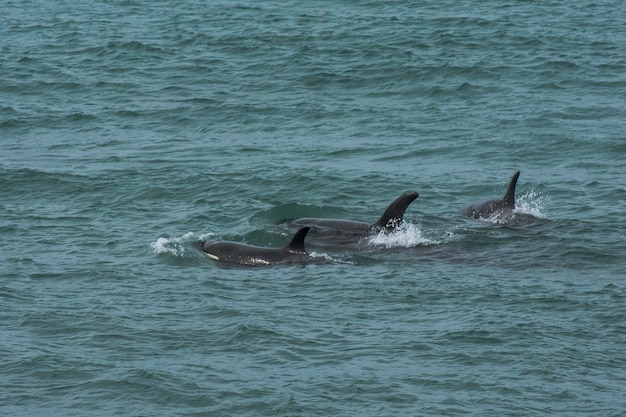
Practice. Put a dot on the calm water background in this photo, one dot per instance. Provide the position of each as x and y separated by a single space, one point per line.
129 129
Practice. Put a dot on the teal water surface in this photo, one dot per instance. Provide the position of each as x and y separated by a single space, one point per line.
131 129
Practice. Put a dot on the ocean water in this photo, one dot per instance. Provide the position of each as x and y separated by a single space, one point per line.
130 129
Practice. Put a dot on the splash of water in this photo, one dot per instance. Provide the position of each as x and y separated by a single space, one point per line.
531 203
175 245
405 236
528 206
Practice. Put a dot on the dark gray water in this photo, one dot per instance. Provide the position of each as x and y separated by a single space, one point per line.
131 129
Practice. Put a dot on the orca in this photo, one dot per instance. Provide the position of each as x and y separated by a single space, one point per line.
499 209
235 253
351 231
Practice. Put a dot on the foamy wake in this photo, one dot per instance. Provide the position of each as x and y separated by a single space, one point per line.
175 245
405 236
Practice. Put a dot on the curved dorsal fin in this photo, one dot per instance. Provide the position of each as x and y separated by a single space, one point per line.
509 197
394 213
297 241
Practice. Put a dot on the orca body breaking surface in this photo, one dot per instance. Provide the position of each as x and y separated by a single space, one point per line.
501 208
340 231
234 253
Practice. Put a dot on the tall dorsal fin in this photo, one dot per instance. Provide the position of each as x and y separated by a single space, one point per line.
394 213
509 197
297 242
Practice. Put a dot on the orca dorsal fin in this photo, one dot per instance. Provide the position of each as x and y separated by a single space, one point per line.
394 213
297 241
509 197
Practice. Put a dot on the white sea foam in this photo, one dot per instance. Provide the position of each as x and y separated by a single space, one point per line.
405 236
175 245
532 203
